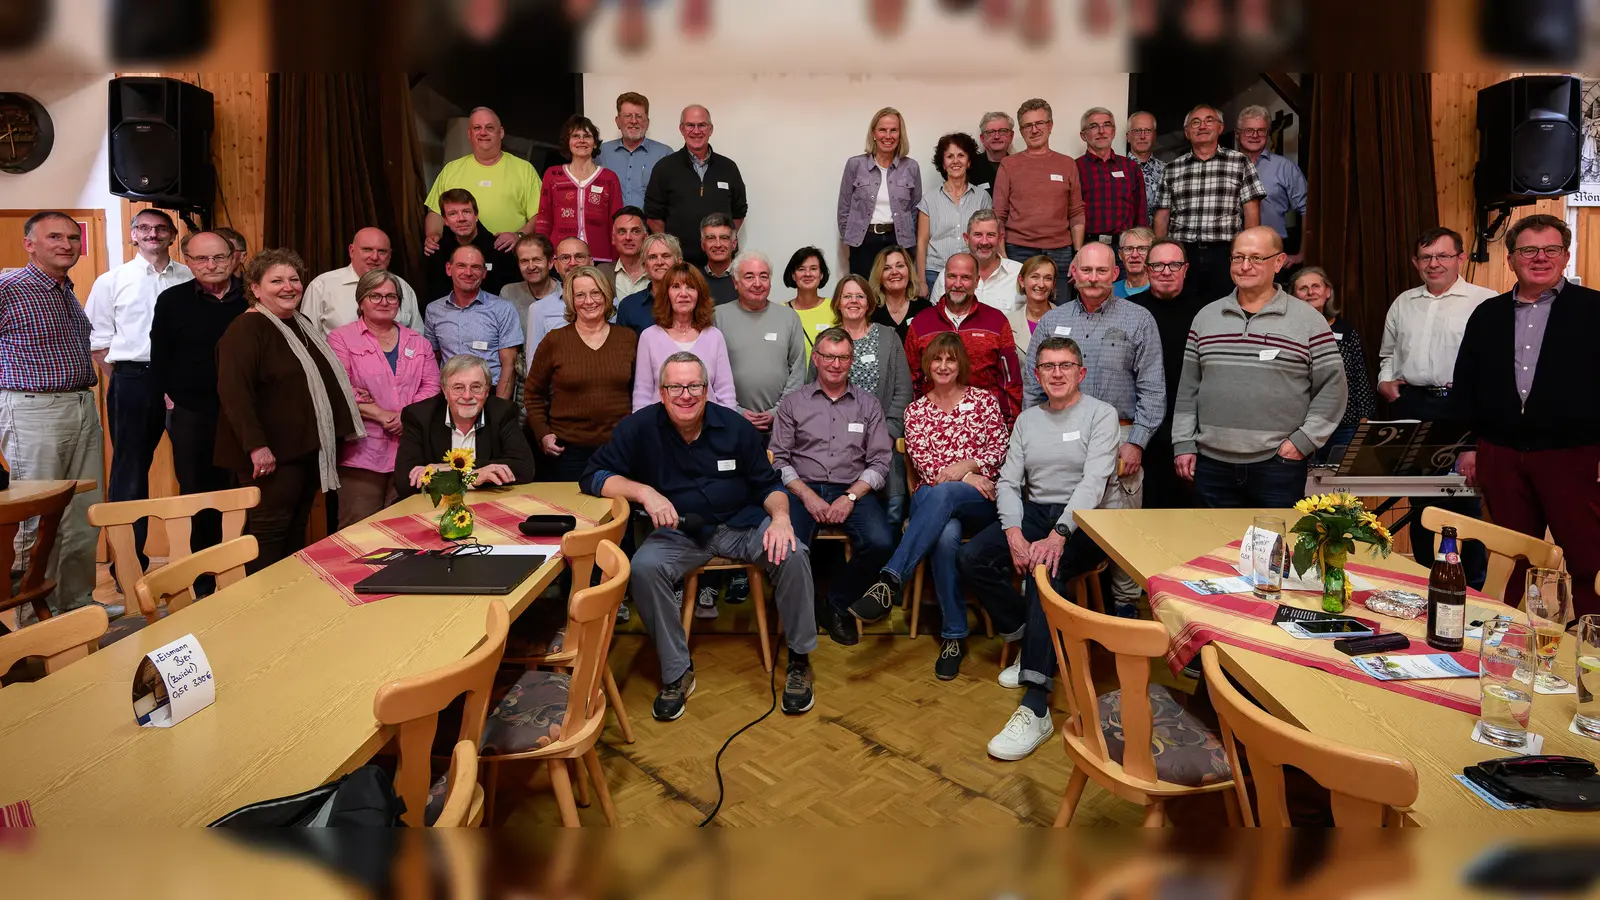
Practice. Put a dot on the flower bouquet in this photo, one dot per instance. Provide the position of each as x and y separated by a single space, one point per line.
450 482
1329 526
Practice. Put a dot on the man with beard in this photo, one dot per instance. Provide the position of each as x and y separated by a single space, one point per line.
984 331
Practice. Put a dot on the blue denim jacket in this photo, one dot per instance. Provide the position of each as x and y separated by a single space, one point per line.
858 193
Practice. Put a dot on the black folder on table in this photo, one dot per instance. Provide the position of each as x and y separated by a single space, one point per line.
478 573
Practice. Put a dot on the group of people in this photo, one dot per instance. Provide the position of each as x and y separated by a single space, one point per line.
1042 335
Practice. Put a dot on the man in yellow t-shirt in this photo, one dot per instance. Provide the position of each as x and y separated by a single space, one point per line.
505 186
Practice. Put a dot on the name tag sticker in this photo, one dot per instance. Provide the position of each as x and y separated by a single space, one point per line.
488 267
770 336
723 185
410 353
966 407
480 345
1269 354
1057 178
485 184
823 326
856 428
724 465
596 189
869 358
1337 336
172 683
1063 331
1068 436
1115 173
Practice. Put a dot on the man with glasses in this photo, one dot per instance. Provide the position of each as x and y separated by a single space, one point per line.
1282 180
331 297
472 321
1525 379
1262 387
1113 186
996 131
1141 148
693 183
1416 368
833 452
701 473
1038 200
1207 196
463 415
1133 255
632 155
120 307
1173 305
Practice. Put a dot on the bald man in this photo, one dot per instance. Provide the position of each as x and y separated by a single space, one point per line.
692 183
331 297
1262 386
506 187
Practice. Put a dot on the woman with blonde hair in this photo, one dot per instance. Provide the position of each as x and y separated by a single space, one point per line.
1037 285
892 279
879 193
878 367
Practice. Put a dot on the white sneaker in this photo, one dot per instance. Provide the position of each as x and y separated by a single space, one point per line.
1021 736
705 605
1011 676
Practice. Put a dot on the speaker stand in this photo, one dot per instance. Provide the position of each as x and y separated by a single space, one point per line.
1486 229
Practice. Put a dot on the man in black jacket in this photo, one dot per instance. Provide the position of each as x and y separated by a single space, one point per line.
691 184
1173 304
1526 379
466 415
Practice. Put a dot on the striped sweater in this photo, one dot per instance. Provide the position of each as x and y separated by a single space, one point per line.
1250 382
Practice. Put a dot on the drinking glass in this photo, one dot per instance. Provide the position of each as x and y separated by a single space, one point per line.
1586 649
1506 664
1269 556
1548 600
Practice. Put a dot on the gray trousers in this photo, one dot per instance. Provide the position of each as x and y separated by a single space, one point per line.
55 437
668 554
1124 493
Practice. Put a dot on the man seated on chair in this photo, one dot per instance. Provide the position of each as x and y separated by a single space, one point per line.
832 450
464 414
1061 454
701 473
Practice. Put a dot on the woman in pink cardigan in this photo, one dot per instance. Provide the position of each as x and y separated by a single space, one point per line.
683 312
579 198
390 367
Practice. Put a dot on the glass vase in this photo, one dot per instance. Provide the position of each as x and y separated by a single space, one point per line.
1335 586
456 521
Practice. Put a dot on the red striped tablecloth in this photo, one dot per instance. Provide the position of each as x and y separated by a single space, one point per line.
1242 620
17 815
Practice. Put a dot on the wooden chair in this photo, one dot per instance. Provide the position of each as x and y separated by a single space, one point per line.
1130 768
1505 547
34 589
59 639
547 647
412 705
176 515
1367 788
758 599
173 583
913 598
557 716
465 798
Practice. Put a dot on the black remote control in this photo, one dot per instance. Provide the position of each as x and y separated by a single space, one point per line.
1377 643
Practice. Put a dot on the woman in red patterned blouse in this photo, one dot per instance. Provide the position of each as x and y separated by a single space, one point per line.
956 438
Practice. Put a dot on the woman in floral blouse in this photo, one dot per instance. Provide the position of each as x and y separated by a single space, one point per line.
956 439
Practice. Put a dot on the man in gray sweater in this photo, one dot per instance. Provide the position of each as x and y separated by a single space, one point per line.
1061 454
1262 387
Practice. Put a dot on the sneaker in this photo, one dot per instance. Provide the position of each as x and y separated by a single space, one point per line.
671 700
623 615
705 604
1011 676
797 694
843 629
877 601
948 665
738 587
1124 610
1021 736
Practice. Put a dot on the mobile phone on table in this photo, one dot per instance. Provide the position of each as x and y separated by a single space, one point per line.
1331 628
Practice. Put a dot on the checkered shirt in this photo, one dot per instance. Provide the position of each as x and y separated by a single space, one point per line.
1205 195
44 334
1111 203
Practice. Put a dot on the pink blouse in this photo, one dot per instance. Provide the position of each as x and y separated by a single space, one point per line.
974 430
415 377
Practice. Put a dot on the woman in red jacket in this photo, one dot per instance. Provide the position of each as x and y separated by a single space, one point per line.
580 197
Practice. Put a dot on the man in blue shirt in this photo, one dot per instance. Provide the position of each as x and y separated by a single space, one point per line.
701 473
1282 179
632 155
472 320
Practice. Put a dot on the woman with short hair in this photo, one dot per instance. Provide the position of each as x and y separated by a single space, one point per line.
807 274
878 367
879 192
578 199
942 216
1313 285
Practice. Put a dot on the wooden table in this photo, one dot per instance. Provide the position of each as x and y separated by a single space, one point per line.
296 670
1435 738
22 490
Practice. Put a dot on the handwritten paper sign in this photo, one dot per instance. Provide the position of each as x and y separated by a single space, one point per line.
173 683
1254 565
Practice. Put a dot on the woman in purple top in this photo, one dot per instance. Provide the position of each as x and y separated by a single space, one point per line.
390 367
879 193
683 312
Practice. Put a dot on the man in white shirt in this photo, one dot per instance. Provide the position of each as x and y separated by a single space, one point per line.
997 276
330 300
121 306
1417 361
628 275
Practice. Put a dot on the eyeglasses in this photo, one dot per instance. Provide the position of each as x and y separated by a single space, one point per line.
996 132
1140 131
1252 132
1240 259
693 389
384 298
1427 258
834 357
1208 120
465 390
1034 126
151 229
217 260
696 126
1165 266
1531 252
1100 126
1049 368
1136 249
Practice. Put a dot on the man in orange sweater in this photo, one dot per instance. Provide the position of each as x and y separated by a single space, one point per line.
1038 198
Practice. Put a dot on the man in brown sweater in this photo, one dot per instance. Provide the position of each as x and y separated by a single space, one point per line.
1038 199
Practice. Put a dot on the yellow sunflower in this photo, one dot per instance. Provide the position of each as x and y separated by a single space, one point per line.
427 476
463 519
460 459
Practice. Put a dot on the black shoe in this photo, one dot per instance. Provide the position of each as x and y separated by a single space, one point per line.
951 652
797 694
843 629
671 700
738 587
877 601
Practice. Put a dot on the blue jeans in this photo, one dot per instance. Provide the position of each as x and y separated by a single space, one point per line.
1063 260
940 514
870 540
1277 483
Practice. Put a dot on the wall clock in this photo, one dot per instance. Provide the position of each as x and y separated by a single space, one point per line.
26 133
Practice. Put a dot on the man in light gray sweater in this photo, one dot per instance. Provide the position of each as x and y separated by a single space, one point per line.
1262 387
1060 456
766 343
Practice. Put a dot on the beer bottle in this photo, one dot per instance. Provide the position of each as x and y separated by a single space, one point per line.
1447 595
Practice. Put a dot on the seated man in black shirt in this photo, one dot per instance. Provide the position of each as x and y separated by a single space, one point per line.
701 473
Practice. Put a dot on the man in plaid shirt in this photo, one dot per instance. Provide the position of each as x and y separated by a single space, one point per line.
49 429
1112 185
1207 196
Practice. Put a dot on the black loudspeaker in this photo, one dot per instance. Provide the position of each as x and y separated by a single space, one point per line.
1530 138
161 142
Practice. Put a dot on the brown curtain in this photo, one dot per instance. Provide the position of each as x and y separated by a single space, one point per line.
342 154
1372 190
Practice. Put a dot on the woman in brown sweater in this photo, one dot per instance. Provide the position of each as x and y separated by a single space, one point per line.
580 380
286 406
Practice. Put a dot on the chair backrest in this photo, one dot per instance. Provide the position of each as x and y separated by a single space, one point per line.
463 782
176 515
1135 642
173 583
48 506
413 705
591 617
913 479
1367 788
59 639
578 547
1505 548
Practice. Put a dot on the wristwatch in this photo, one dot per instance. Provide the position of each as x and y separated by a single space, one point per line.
1063 530
853 497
